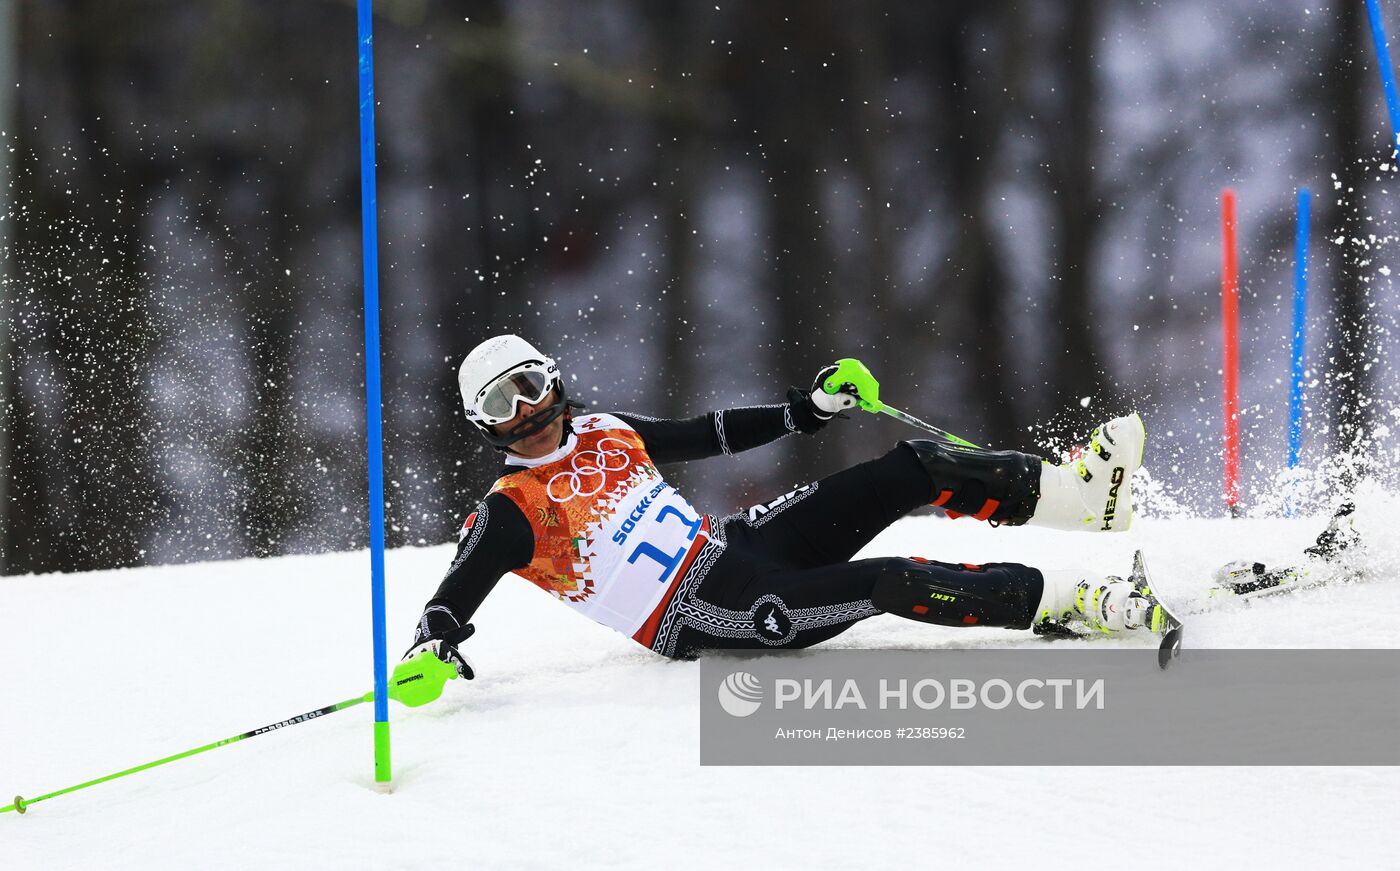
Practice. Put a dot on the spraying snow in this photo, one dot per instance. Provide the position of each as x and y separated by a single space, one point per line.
577 748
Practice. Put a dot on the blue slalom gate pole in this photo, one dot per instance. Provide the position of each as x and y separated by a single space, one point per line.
1392 103
1300 310
374 424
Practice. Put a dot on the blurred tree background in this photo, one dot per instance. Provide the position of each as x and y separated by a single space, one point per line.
1007 209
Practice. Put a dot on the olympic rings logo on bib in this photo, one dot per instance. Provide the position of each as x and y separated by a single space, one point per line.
589 475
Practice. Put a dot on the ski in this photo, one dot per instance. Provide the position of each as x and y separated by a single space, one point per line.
1162 621
1248 580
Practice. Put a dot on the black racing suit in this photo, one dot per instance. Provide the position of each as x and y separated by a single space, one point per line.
778 575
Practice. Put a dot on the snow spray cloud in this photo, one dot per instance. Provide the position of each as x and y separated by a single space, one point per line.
1050 707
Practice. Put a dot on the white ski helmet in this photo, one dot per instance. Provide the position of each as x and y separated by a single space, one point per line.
498 376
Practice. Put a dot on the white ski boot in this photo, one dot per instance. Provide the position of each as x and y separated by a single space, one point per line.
1106 604
1092 490
1076 601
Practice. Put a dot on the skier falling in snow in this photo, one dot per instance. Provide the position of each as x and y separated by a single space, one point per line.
581 510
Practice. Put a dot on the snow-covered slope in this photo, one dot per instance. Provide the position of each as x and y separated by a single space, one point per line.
577 749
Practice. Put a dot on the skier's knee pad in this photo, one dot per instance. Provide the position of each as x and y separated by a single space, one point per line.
1000 486
995 594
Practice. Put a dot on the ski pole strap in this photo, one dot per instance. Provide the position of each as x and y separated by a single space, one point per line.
21 803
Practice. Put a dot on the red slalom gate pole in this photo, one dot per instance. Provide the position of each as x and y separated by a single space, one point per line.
1230 320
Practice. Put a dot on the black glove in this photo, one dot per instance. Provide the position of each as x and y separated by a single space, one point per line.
440 632
825 405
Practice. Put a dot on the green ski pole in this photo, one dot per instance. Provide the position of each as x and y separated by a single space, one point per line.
415 682
21 803
867 391
927 427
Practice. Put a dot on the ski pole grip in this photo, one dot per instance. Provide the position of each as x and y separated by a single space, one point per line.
420 680
852 376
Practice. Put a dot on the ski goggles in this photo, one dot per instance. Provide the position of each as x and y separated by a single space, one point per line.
499 401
